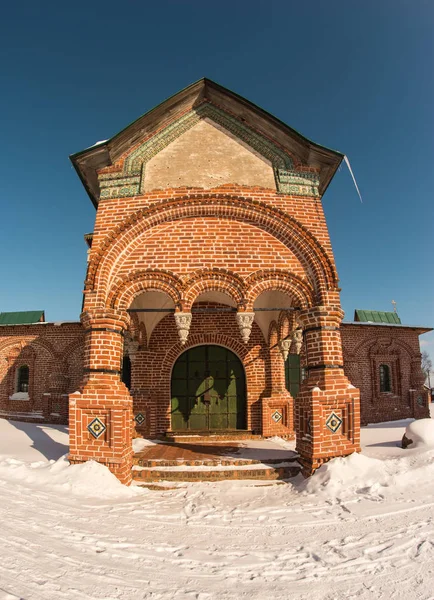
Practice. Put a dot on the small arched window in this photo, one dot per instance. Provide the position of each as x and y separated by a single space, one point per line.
385 378
22 379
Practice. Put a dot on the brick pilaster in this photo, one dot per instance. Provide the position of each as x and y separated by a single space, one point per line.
327 411
102 396
278 407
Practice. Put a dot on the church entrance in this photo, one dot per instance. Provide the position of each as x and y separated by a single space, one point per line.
208 390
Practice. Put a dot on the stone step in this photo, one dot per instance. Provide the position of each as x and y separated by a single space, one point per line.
139 461
209 436
280 471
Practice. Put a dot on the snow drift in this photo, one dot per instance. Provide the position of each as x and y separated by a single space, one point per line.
419 433
89 479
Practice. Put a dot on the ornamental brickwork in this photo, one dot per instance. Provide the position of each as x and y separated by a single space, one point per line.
209 265
53 354
251 248
366 347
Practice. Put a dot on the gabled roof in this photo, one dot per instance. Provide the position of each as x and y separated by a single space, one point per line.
376 316
105 153
26 317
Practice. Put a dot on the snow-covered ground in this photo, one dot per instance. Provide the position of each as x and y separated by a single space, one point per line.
362 527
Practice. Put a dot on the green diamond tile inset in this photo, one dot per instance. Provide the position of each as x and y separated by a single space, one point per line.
276 416
333 422
96 428
140 418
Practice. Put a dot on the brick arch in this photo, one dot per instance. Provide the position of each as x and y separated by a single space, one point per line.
283 227
134 327
371 342
41 343
217 280
29 345
127 288
282 281
217 339
237 347
4 345
273 334
71 348
286 324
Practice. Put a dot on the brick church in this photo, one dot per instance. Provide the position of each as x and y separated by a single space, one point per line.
211 300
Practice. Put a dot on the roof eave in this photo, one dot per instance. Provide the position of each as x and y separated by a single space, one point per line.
335 156
420 328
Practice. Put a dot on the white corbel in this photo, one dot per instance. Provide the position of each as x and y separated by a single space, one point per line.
285 346
183 322
297 338
245 322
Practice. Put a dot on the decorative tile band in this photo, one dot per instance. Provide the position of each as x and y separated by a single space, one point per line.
131 181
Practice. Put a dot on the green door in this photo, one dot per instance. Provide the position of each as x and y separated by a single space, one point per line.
293 374
208 390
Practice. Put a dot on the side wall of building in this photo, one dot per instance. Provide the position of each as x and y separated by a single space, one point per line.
366 348
54 354
54 357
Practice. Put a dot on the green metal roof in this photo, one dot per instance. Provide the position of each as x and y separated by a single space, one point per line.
22 318
376 316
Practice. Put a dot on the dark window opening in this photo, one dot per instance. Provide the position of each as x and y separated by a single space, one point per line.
385 385
126 371
23 379
293 374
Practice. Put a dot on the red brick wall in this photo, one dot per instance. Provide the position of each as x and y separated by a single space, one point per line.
365 348
183 230
44 347
54 355
152 367
307 211
228 245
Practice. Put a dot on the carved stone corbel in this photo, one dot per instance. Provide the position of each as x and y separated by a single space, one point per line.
245 322
285 346
297 338
183 322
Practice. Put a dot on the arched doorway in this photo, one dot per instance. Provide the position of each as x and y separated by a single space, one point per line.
208 390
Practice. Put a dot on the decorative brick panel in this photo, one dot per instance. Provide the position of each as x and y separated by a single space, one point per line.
54 355
366 347
191 247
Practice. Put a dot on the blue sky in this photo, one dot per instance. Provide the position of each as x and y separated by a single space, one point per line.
354 76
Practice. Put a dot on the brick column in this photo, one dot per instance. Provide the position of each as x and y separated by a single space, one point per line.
327 411
100 413
277 408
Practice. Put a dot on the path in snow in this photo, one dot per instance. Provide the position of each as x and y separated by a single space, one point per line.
335 538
